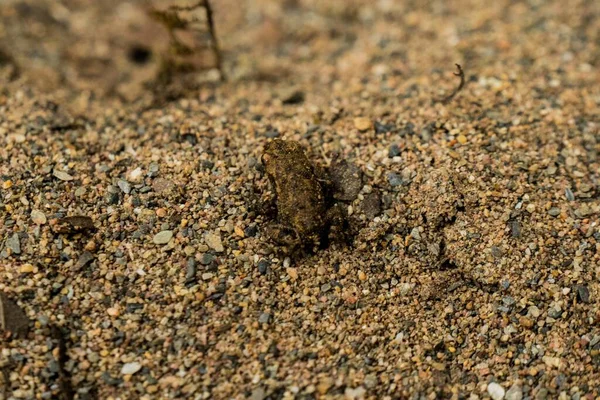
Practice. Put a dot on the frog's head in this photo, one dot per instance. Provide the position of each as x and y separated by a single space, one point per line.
279 149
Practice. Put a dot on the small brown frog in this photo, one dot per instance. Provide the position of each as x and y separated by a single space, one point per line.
302 213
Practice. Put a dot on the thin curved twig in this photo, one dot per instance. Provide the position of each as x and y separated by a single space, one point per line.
460 74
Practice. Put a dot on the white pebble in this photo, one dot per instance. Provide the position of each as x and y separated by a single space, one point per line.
495 391
131 368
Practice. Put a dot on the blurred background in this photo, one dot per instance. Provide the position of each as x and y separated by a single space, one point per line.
114 47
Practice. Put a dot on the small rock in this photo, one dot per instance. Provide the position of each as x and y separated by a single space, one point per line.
371 205
63 176
355 393
515 229
207 259
495 391
496 252
263 266
73 224
131 368
153 170
264 318
362 124
293 273
272 134
251 230
84 259
583 293
113 311
161 185
124 186
533 311
38 217
362 276
14 243
162 237
346 178
514 393
554 211
394 151
135 175
292 97
213 240
542 394
415 233
190 271
394 179
12 318
258 394
554 312
381 128
569 194
26 269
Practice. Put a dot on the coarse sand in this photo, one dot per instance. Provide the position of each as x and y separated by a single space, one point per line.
132 202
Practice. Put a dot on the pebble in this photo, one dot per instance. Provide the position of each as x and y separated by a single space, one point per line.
371 205
213 240
26 269
555 312
131 368
355 393
292 97
569 194
190 271
14 243
251 230
394 179
583 293
135 175
533 311
362 124
84 259
394 151
514 393
38 217
124 186
264 318
161 185
362 276
258 394
346 178
162 237
207 259
63 176
495 391
12 318
554 212
263 266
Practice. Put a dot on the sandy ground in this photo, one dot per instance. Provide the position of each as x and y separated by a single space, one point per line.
474 266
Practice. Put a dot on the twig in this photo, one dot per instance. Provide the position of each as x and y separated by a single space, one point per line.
460 74
214 42
64 380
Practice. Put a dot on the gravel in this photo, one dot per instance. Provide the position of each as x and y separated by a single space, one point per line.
495 391
454 201
162 237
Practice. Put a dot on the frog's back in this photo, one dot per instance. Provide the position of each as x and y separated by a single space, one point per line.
300 199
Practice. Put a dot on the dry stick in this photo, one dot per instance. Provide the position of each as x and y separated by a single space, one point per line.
215 44
64 380
460 74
